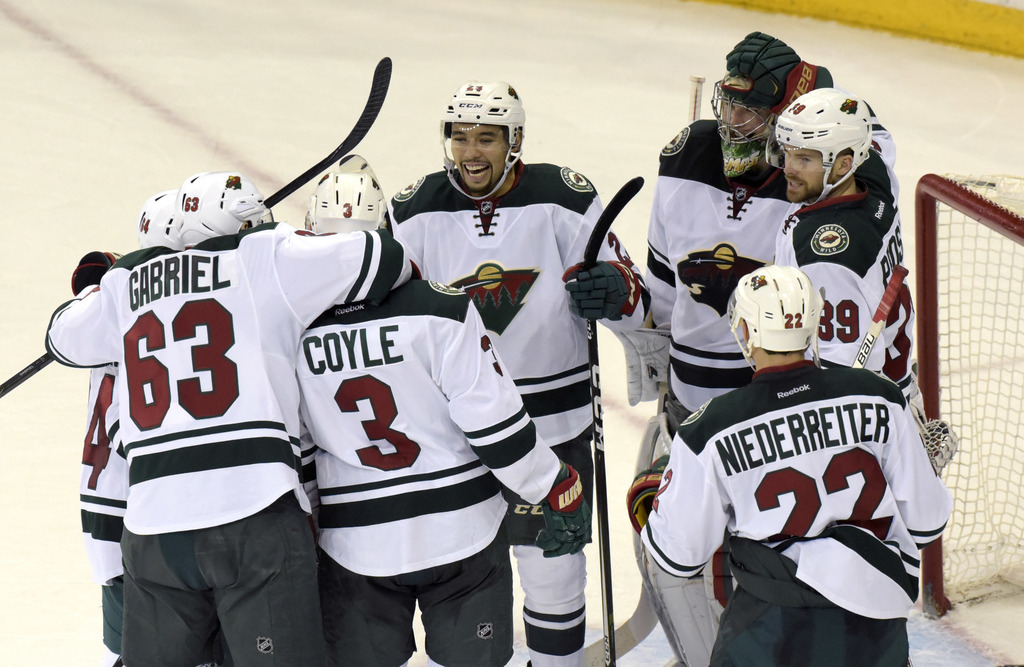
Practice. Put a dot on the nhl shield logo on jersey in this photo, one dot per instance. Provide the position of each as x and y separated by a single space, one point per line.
677 143
498 293
576 180
712 275
485 631
829 240
409 190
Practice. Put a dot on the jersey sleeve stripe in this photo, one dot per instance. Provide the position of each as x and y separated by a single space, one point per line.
104 527
667 563
658 268
510 449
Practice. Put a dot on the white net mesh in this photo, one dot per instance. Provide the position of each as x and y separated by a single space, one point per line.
981 337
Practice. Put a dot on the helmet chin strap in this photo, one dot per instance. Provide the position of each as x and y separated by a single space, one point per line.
827 187
453 171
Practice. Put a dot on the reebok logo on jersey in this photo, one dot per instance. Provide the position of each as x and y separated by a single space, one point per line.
794 390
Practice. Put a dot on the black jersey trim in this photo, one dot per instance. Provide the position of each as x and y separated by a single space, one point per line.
213 456
711 378
509 450
409 504
103 527
556 401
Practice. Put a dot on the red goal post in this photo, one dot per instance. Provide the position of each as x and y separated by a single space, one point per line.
970 350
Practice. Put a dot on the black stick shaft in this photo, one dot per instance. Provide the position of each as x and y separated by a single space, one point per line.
597 236
378 91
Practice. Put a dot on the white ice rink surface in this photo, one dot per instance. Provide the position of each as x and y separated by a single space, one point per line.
105 103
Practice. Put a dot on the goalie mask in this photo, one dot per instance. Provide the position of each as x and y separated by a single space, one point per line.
156 222
478 103
781 310
347 199
218 203
828 121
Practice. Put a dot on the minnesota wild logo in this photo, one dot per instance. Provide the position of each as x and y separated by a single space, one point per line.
233 183
499 293
712 275
849 106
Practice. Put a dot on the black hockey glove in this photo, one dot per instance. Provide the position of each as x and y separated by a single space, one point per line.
566 516
608 290
768 62
91 268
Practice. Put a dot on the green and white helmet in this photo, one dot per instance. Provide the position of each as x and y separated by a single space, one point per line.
781 310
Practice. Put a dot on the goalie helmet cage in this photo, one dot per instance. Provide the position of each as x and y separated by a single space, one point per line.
970 305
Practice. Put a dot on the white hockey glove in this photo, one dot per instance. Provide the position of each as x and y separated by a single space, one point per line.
940 440
647 365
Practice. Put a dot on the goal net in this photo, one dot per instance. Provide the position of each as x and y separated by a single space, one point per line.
970 310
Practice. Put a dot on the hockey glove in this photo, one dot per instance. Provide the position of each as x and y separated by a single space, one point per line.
91 268
566 516
640 498
608 290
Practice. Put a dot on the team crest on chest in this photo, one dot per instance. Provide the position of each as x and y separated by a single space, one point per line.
498 293
676 144
830 240
712 275
576 180
408 191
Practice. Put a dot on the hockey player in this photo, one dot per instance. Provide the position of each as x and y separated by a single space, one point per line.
718 205
506 232
215 529
846 235
418 426
821 480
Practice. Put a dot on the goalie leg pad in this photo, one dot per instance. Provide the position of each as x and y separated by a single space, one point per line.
683 610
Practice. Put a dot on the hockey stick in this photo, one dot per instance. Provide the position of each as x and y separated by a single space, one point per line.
597 237
696 88
25 373
628 635
378 91
899 274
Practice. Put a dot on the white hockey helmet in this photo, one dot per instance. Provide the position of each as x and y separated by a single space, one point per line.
781 310
347 199
826 120
217 203
485 103
156 222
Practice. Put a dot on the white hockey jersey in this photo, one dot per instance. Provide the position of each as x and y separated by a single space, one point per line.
205 340
509 256
848 246
706 232
104 480
824 465
413 411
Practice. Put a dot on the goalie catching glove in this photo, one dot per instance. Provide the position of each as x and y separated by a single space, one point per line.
640 498
566 516
606 291
91 268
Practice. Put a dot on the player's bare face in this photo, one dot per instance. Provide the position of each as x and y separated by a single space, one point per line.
479 152
804 173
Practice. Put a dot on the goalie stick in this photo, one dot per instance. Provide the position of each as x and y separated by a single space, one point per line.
597 236
893 287
378 91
